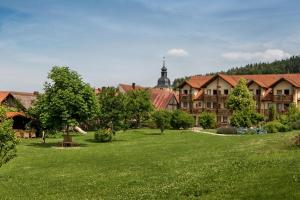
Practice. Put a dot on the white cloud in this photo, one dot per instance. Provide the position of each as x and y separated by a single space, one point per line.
266 56
177 52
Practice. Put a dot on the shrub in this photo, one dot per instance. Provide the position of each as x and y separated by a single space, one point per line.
276 126
162 119
181 119
103 135
227 130
207 120
296 125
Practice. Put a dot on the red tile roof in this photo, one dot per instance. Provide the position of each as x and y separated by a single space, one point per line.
263 80
126 88
196 81
15 114
161 98
3 96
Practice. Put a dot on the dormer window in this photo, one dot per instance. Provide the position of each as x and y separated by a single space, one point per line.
287 92
279 92
226 92
215 92
185 92
258 92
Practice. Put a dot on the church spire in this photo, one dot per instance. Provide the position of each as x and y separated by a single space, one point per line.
164 81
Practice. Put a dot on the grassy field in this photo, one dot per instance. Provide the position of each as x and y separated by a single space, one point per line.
143 164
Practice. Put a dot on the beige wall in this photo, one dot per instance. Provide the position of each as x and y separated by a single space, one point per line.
222 86
255 87
282 86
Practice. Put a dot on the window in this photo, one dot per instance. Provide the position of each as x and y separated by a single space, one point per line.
226 92
279 92
214 105
215 92
208 104
280 106
287 92
270 105
199 104
185 91
225 119
185 104
218 118
208 92
258 92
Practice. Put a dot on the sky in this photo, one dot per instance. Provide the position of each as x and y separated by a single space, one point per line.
123 41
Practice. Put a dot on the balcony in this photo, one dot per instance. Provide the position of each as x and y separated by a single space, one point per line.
185 97
214 98
283 98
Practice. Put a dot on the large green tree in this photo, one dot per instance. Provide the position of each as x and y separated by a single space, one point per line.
138 106
67 100
242 104
8 140
112 108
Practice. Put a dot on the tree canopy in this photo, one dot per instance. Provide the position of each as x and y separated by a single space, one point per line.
67 100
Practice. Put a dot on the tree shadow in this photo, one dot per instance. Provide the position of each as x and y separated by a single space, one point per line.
54 144
159 133
114 140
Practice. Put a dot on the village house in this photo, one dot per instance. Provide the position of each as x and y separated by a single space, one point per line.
209 93
17 103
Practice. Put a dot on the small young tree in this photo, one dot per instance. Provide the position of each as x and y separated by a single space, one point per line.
8 140
138 106
162 119
181 119
241 102
207 120
112 109
272 114
66 101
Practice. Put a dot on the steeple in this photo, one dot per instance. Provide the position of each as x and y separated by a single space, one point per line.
164 81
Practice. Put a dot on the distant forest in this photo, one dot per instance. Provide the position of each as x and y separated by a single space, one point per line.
290 65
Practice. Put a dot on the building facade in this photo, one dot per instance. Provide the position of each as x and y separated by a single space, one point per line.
209 93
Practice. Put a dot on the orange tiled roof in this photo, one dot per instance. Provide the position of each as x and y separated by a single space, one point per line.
3 96
127 88
161 98
197 81
263 80
14 114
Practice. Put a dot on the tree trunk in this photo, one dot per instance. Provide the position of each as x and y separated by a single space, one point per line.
43 136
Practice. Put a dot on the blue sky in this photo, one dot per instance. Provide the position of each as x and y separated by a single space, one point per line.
123 41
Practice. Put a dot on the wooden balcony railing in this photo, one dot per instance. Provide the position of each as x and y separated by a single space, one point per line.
214 98
185 97
282 98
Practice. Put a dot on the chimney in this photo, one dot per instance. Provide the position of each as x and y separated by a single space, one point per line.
133 86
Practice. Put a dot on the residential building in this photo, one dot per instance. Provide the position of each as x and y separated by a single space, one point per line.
161 99
209 93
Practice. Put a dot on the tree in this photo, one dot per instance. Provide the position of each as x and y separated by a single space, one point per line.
272 114
241 102
138 106
112 109
181 119
207 120
66 101
8 140
162 119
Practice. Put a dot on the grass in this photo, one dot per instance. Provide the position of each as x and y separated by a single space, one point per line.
143 164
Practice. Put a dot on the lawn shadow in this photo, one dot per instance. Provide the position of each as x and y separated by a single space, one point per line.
54 144
114 140
159 133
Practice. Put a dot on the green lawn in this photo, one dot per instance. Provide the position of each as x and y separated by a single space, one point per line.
143 164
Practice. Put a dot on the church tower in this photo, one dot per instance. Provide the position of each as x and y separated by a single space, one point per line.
164 81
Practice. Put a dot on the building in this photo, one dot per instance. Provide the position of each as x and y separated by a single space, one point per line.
17 103
161 99
209 93
164 82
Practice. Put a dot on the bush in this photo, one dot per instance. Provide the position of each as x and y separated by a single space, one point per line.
276 126
207 120
227 130
103 135
181 119
296 125
162 119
